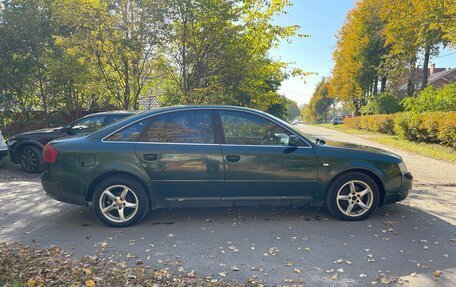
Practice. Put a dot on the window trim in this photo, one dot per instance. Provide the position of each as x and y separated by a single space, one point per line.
216 127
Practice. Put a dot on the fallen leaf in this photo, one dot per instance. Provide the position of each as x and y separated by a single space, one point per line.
90 283
437 273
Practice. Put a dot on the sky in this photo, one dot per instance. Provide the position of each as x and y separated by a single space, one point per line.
321 20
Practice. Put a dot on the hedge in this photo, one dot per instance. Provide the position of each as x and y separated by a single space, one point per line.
432 127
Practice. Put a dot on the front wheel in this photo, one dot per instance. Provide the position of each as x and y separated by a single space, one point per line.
352 196
120 201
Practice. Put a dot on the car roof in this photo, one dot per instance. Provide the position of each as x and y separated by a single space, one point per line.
115 113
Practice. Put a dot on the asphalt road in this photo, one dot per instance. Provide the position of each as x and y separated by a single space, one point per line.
276 246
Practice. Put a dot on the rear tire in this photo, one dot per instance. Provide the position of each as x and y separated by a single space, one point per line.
31 159
352 196
120 201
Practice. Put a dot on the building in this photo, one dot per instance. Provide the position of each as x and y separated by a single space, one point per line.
440 78
437 77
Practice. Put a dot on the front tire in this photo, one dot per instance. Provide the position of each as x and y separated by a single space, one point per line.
31 159
120 201
352 196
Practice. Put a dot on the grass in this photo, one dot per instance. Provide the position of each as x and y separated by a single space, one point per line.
435 151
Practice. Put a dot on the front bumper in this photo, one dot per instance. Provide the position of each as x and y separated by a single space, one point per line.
54 191
406 187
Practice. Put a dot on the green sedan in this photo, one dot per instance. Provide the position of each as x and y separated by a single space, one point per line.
217 156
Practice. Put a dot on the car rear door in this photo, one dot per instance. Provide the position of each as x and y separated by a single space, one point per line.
179 152
259 163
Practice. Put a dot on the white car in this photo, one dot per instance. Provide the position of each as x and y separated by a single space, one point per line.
337 121
3 147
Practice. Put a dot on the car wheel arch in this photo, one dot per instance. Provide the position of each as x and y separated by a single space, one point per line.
22 145
371 174
154 200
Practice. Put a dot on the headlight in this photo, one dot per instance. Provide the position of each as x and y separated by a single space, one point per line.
403 167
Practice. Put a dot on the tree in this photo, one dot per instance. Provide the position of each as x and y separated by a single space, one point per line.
358 57
123 38
319 104
25 30
218 53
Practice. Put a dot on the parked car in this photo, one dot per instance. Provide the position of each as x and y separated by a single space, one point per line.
337 121
3 147
217 156
26 148
296 122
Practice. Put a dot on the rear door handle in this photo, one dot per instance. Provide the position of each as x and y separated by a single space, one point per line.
233 158
150 156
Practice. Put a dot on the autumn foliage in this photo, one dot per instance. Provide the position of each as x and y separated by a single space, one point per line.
431 127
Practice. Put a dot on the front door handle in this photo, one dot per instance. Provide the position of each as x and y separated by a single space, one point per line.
233 158
150 156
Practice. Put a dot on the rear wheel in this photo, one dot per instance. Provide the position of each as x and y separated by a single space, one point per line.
120 201
352 196
31 159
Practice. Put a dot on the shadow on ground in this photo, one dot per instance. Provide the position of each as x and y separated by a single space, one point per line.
267 244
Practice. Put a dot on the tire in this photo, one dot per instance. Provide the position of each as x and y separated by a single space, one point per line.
354 189
126 196
31 159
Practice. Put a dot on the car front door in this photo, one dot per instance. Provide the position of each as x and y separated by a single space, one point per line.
259 162
181 156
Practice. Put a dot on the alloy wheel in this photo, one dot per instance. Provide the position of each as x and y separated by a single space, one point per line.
354 198
29 160
118 203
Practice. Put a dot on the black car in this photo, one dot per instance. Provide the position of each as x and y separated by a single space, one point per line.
26 148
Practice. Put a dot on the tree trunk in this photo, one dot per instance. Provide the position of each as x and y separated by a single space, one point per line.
424 81
411 78
376 85
43 97
126 101
383 84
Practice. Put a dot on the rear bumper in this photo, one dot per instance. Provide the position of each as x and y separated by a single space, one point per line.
406 186
54 191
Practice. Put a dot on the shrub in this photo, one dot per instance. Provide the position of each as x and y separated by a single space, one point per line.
385 103
432 127
374 123
432 99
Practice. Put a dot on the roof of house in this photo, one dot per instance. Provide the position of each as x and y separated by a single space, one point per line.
440 75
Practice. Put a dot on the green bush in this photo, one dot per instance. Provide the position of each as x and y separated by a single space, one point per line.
432 127
384 103
432 99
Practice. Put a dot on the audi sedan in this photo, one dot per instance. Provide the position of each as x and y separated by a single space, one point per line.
217 156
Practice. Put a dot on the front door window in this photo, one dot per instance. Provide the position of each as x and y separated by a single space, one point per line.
243 128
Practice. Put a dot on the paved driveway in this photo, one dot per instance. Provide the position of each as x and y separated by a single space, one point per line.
277 246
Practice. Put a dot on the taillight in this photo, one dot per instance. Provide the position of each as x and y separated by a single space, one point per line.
49 154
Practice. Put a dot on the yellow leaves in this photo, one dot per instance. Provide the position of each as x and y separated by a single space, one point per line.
437 273
90 283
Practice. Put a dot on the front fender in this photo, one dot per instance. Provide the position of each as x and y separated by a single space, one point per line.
387 173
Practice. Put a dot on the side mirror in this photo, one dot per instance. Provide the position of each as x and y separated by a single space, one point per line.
294 141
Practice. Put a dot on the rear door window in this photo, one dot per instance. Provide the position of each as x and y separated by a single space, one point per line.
181 127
